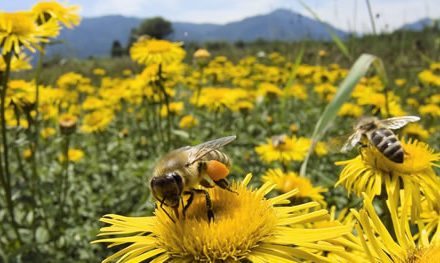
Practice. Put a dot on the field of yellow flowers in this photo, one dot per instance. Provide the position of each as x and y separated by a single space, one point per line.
84 147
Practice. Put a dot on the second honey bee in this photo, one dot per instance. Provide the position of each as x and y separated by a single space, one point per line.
379 134
181 171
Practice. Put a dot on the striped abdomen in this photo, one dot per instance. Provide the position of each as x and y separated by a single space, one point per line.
218 156
388 144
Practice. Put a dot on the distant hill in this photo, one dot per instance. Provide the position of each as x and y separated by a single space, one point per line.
94 36
418 25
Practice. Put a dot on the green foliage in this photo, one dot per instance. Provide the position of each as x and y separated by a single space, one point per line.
156 27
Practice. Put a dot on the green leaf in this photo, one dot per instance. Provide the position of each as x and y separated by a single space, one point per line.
42 235
357 71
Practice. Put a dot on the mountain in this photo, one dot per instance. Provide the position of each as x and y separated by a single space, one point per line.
94 36
418 25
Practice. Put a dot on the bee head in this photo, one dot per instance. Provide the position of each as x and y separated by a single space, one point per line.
366 123
167 188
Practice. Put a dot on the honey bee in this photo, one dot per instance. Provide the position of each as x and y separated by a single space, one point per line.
278 140
378 133
181 171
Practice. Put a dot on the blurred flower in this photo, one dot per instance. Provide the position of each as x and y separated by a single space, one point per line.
269 90
371 169
351 109
19 29
297 91
290 149
288 181
52 10
322 53
400 82
175 108
430 109
153 51
67 123
416 130
269 235
27 153
201 54
188 122
74 155
71 79
99 72
47 132
18 62
96 121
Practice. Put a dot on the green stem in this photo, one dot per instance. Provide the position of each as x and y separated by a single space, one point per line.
64 178
6 175
370 12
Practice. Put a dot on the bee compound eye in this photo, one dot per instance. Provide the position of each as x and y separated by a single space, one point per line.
179 182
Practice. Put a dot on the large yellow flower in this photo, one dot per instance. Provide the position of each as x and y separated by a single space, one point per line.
154 51
19 29
247 227
66 15
369 171
97 121
395 244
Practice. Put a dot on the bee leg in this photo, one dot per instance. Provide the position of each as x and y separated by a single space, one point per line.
224 184
188 202
208 203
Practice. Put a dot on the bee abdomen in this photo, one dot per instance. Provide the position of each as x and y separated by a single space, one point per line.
219 156
388 144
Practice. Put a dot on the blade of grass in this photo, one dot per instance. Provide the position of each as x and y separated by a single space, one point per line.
357 71
338 41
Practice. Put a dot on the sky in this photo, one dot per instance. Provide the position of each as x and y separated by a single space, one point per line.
349 15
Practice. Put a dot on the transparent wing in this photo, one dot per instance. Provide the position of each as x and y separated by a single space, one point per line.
398 122
197 152
351 141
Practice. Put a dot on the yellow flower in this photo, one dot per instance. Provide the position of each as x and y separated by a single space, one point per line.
400 82
127 72
201 54
70 79
18 62
27 153
430 109
74 155
153 51
286 182
215 98
19 29
378 241
67 123
415 129
22 93
288 150
247 226
368 172
350 109
97 121
297 91
175 108
269 90
325 91
66 15
188 122
99 71
48 132
322 53
429 78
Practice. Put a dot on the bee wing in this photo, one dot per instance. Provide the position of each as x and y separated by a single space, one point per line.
351 141
197 152
398 122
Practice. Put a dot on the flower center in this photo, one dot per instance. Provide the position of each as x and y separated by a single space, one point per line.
158 46
240 223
